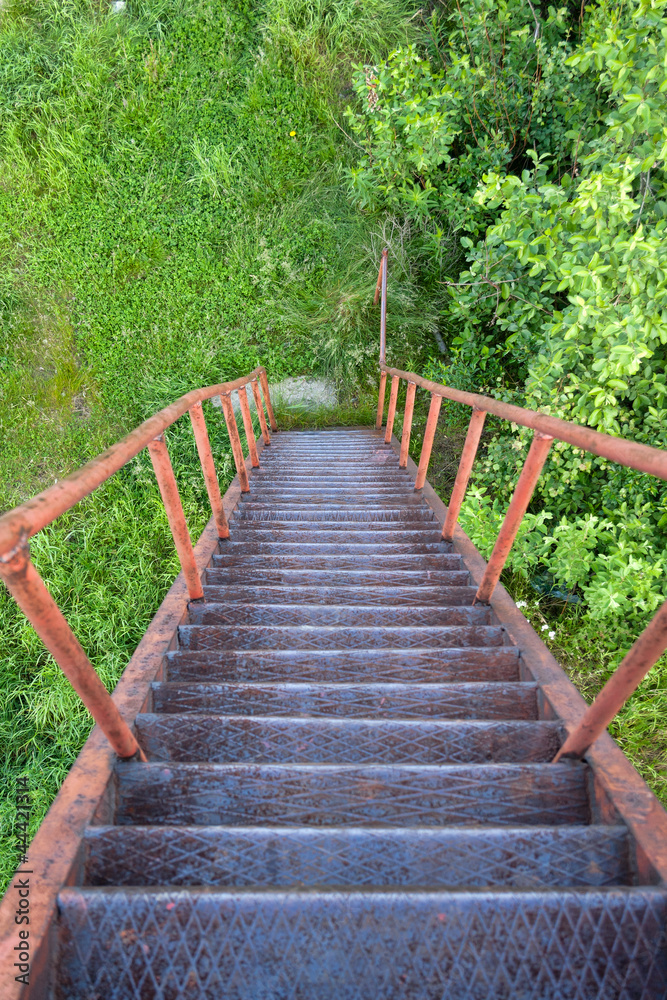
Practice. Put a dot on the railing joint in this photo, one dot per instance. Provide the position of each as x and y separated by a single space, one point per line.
23 545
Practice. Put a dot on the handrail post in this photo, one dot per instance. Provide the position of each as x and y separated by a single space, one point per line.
260 411
29 591
208 468
468 454
267 399
532 467
247 426
383 310
235 441
380 413
634 666
429 435
378 283
171 499
407 424
393 396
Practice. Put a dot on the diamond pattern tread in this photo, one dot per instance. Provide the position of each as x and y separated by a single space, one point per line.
302 857
491 663
255 533
321 500
346 615
341 578
378 701
129 944
409 504
351 795
324 515
390 551
293 493
335 560
318 637
222 739
392 596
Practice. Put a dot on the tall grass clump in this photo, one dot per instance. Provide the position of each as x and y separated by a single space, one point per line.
323 38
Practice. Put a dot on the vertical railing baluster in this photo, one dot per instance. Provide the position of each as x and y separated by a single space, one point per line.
407 424
171 499
29 591
429 435
525 486
267 399
235 441
380 413
473 436
247 426
391 412
378 284
383 311
208 468
260 411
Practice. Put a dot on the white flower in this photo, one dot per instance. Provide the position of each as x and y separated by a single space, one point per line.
552 635
544 628
522 604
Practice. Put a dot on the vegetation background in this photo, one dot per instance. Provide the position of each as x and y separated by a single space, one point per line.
188 190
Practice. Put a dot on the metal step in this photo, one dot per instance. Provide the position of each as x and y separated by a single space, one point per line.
251 574
334 560
359 515
262 479
304 493
491 663
380 550
225 739
386 595
557 944
345 615
248 533
320 637
316 500
324 464
351 795
481 700
353 858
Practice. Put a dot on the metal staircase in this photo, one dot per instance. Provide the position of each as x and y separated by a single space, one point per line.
348 790
340 763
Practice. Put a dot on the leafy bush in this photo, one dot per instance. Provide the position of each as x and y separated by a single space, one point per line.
542 142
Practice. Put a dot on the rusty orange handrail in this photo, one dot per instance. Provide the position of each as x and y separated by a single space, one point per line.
638 456
652 643
35 514
18 525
